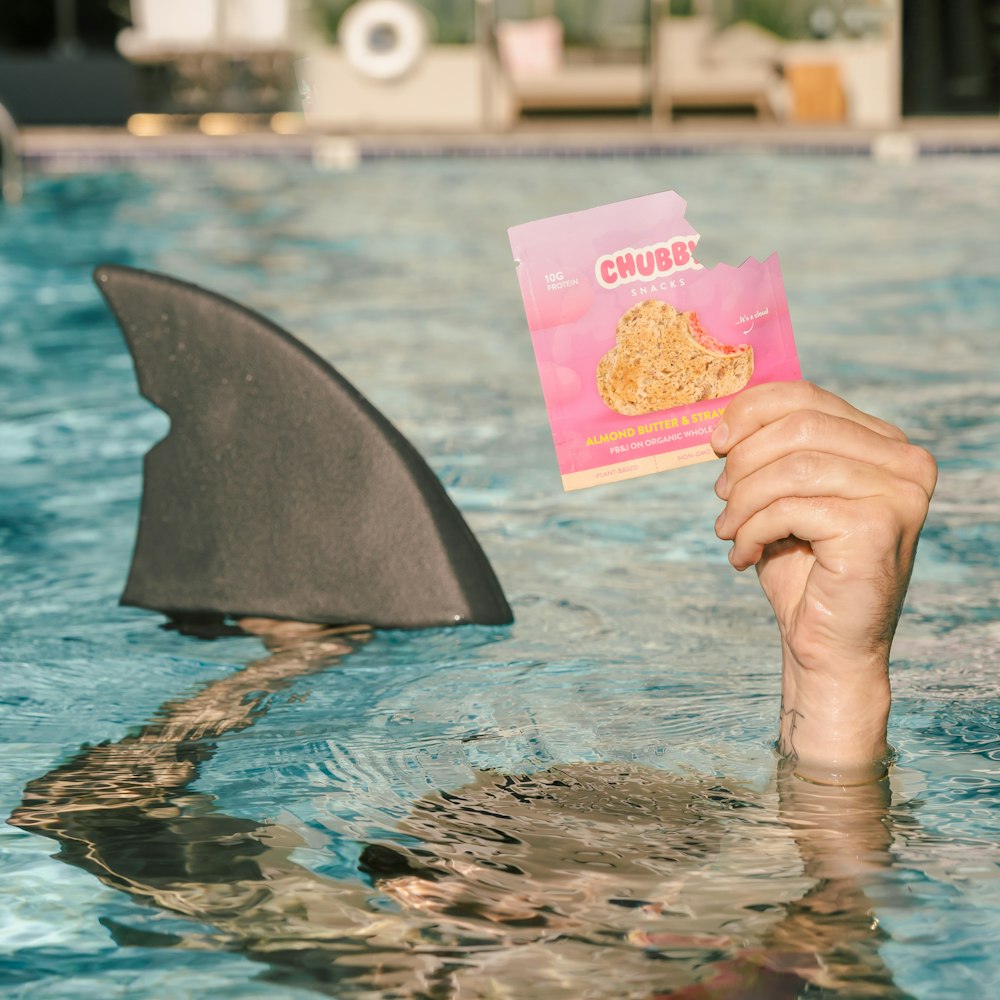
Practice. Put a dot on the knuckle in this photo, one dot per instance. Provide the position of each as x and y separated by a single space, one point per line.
914 500
804 466
808 424
786 507
796 395
765 398
735 498
739 406
924 466
813 397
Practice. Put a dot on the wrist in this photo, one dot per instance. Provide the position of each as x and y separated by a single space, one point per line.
834 719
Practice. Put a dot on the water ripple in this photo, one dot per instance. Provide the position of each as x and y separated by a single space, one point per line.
583 804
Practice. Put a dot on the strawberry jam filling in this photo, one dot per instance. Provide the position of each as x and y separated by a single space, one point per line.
709 342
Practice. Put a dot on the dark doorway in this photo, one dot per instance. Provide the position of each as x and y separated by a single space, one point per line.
58 63
951 57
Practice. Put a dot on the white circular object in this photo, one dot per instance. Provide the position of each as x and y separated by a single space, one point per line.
383 39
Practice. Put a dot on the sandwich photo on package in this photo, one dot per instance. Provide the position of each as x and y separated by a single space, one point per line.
639 347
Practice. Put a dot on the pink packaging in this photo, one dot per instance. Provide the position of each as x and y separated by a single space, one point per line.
639 347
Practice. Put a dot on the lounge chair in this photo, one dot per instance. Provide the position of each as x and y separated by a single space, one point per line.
696 66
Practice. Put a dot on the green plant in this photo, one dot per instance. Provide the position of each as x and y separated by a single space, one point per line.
787 18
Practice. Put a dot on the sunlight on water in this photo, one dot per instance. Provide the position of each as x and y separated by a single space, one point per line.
584 804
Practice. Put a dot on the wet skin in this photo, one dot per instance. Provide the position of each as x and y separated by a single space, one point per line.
828 503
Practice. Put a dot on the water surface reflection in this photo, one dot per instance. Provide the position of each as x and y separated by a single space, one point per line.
600 879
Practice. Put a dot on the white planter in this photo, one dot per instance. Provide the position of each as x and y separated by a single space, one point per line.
451 88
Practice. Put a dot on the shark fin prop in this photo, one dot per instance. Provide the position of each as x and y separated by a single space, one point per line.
280 491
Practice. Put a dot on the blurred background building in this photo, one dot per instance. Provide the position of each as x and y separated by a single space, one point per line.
458 64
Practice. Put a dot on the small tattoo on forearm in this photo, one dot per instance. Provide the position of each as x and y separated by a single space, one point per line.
787 721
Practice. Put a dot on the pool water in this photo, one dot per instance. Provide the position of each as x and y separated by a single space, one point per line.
583 804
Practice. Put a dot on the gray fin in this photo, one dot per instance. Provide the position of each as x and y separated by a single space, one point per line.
280 491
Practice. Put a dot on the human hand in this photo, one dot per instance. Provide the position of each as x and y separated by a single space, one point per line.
828 503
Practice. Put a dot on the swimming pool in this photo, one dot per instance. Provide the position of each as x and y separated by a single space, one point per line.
640 677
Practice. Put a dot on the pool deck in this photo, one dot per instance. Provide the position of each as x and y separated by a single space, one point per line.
69 147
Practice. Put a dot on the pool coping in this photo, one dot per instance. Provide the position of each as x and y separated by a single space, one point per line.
82 148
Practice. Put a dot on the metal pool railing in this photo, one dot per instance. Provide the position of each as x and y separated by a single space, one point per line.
11 187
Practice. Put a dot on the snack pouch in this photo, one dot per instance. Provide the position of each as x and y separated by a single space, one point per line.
640 347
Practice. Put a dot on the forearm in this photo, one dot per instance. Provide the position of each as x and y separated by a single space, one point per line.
844 836
832 726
